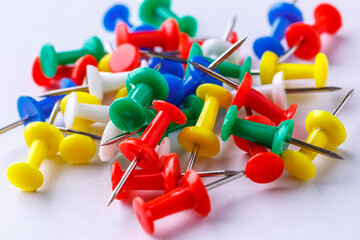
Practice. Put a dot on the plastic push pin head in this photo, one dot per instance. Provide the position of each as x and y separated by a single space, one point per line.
43 140
143 85
327 19
318 71
77 149
119 63
155 12
167 37
50 59
281 15
117 13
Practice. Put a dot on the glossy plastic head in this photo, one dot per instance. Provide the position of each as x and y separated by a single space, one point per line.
79 69
328 123
103 64
119 63
77 149
278 90
95 82
229 122
194 51
298 165
284 10
171 172
168 67
108 153
48 60
176 89
116 13
147 11
282 135
172 32
193 102
242 91
268 67
127 113
25 177
30 109
264 167
71 110
95 47
264 44
320 70
214 47
329 16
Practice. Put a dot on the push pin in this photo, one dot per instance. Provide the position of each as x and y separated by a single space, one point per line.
250 98
192 107
80 124
109 151
98 83
155 12
268 160
200 139
143 85
92 112
318 71
43 139
50 59
304 40
31 110
281 15
141 151
120 13
275 138
77 148
193 194
76 73
167 37
325 130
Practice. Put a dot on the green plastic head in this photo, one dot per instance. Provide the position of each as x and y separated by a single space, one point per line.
188 24
48 60
245 67
147 11
194 50
195 103
282 135
95 47
229 121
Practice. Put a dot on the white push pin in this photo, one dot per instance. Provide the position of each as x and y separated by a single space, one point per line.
214 47
73 109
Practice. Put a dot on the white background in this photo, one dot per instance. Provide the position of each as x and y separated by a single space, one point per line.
72 202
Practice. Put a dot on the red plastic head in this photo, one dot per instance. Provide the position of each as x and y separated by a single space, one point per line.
171 29
121 33
184 45
242 91
79 69
125 57
171 172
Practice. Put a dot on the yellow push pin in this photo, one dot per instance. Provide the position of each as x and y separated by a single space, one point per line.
43 139
103 64
325 130
200 139
122 92
269 66
82 97
77 149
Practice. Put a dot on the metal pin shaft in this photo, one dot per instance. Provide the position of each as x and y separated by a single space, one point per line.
122 182
229 29
193 156
72 131
123 136
290 51
13 125
216 173
315 148
343 102
65 91
303 90
224 180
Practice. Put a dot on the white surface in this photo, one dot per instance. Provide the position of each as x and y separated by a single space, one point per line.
72 202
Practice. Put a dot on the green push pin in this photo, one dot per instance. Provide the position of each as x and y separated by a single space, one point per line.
276 138
155 12
50 59
143 86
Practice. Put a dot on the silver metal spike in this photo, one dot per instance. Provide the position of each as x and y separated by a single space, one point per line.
193 156
224 180
343 102
229 28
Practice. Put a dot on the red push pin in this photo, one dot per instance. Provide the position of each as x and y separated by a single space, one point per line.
166 178
265 157
304 40
166 37
250 98
142 151
76 73
193 194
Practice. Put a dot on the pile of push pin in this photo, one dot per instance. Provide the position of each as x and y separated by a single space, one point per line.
167 80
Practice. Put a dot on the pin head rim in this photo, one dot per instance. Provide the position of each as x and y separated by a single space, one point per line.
147 11
268 64
229 122
175 114
119 63
25 176
284 10
195 103
195 50
288 113
48 60
77 149
321 66
121 33
172 32
114 14
95 82
79 69
298 165
332 17
242 91
30 109
95 47
171 172
188 24
264 44
222 95
281 137
143 214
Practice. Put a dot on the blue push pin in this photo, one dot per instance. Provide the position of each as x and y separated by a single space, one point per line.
31 110
168 67
281 15
120 13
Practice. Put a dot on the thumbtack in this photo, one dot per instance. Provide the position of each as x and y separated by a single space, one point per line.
193 194
249 97
280 16
143 85
31 110
304 40
167 37
141 151
77 148
229 29
325 130
276 138
50 59
318 71
156 12
192 107
43 139
200 139
92 112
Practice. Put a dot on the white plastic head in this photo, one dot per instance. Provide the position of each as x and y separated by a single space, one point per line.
71 110
214 47
278 90
94 81
109 152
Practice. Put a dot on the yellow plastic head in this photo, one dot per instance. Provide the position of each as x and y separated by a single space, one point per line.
220 93
103 64
82 97
320 70
122 92
77 149
298 165
328 123
25 176
206 139
268 67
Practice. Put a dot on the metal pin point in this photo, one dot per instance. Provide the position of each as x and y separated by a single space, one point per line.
193 156
290 51
229 28
123 136
343 102
216 173
54 112
224 180
158 66
72 131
